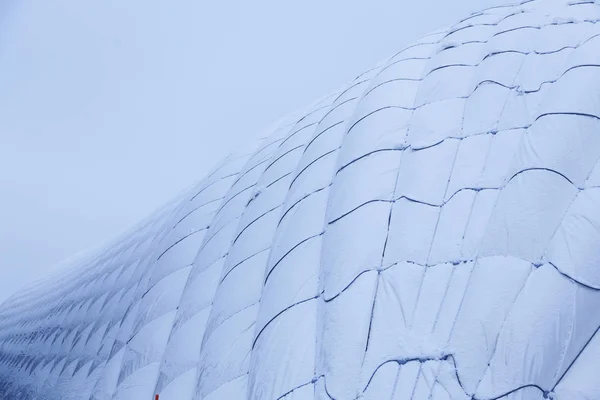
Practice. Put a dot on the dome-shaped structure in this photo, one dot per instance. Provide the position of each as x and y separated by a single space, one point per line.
431 231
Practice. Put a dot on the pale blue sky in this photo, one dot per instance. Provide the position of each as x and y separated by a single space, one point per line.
108 108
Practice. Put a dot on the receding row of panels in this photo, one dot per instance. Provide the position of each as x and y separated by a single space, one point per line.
428 231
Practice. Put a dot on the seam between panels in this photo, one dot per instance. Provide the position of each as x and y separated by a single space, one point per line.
245 374
367 91
440 384
393 396
417 379
138 288
273 183
207 239
497 338
311 382
482 82
281 156
439 215
449 357
323 131
376 290
318 338
365 73
196 209
454 29
291 135
332 106
513 12
78 324
512 6
278 314
391 80
160 361
247 171
563 354
317 159
249 224
412 46
473 76
558 379
558 226
178 311
356 278
300 200
272 139
222 322
208 185
314 109
335 104
242 262
175 243
239 218
437 316
444 202
220 165
387 235
273 156
435 230
139 291
570 278
228 199
240 231
476 261
270 270
462 236
79 329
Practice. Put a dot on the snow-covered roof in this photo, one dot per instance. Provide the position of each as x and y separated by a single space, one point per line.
430 231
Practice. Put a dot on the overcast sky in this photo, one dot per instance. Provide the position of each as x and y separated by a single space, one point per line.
109 108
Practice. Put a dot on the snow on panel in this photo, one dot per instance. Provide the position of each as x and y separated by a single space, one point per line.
429 231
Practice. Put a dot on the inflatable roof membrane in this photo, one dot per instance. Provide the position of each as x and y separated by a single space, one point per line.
430 231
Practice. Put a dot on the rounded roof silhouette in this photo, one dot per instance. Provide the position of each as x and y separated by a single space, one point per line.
430 231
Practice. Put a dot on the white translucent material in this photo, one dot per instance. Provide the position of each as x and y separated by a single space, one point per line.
430 231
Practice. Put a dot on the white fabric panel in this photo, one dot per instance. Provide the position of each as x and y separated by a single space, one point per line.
429 231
